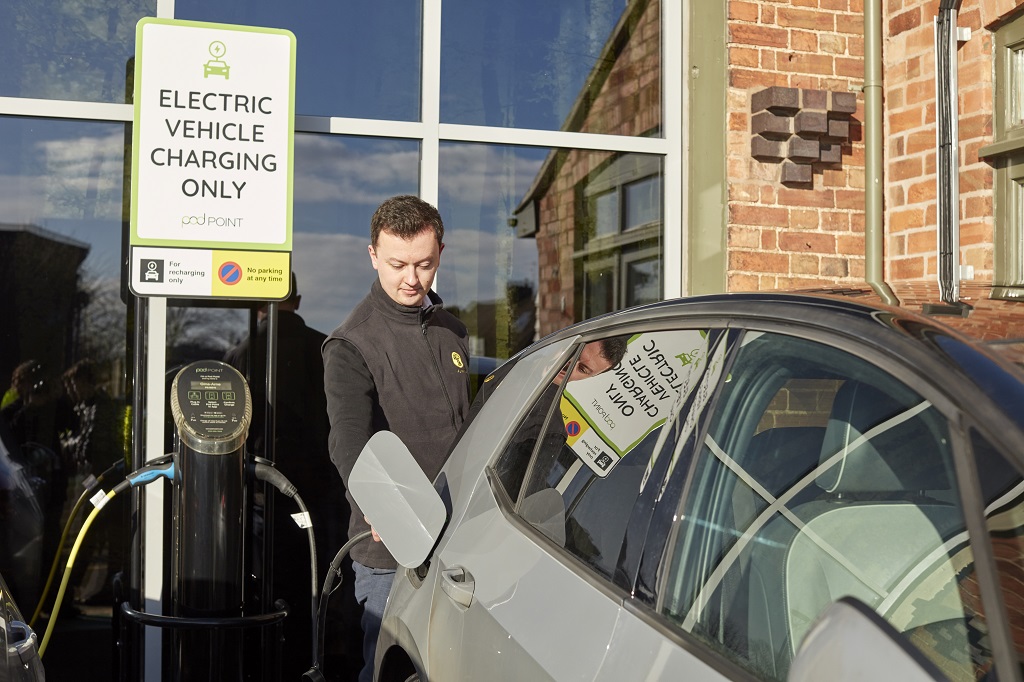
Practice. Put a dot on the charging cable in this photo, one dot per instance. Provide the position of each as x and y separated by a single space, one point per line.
315 674
91 483
268 474
143 476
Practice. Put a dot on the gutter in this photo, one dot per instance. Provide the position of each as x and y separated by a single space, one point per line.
874 233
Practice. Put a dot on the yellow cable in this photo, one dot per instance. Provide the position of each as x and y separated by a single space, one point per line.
67 573
56 559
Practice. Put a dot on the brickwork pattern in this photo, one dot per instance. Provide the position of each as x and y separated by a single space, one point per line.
811 234
778 238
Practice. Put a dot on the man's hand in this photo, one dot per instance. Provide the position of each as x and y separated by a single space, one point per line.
376 538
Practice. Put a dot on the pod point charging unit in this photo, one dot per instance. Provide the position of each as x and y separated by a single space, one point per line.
210 634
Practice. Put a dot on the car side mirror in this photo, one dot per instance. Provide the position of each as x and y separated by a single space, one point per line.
393 492
849 641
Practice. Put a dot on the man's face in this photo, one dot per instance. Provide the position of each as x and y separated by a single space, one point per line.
406 268
591 363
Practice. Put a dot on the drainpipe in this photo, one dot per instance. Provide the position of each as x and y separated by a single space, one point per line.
874 233
947 162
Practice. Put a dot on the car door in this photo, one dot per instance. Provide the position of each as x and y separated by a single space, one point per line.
532 578
823 476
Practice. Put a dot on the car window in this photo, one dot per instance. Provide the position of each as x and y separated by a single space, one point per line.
583 455
1002 491
820 477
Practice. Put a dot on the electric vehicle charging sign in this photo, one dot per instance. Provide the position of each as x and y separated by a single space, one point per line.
212 166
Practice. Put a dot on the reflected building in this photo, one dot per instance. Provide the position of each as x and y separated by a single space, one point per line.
596 217
40 286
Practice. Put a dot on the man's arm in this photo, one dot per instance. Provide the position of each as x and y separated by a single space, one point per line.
351 396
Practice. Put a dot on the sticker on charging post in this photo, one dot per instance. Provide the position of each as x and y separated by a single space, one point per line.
302 520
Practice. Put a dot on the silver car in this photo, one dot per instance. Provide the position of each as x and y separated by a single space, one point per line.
752 487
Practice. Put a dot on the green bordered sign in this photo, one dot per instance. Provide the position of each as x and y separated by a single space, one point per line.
212 152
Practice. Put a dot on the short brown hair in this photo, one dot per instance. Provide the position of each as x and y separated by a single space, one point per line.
405 216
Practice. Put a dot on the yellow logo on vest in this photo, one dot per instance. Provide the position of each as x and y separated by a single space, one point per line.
457 360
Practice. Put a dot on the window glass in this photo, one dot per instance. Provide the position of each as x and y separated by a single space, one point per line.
822 477
643 202
593 438
339 182
583 66
353 59
521 259
82 51
62 350
1002 492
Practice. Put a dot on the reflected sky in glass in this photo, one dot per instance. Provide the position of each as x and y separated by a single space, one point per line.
521 64
339 182
353 59
54 49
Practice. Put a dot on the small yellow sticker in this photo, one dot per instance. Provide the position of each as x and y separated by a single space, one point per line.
457 360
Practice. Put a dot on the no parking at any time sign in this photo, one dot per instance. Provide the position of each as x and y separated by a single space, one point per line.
212 160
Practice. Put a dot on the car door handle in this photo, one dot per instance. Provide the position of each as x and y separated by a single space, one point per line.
458 584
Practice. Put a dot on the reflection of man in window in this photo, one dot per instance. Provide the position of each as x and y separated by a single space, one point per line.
595 358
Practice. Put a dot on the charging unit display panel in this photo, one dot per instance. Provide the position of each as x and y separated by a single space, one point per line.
211 406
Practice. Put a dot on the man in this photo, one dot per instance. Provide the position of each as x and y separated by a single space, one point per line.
300 435
399 362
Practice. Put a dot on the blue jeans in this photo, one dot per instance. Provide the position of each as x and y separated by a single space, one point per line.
372 587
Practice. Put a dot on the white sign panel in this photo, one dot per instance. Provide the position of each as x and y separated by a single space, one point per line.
212 147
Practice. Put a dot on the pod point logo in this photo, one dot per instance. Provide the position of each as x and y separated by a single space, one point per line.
211 220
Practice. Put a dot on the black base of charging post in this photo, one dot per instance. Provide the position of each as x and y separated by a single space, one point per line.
224 649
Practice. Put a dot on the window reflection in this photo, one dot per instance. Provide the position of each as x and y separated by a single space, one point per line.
68 50
585 66
62 350
354 59
530 252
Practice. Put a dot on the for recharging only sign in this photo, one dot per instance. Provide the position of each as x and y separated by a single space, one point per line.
212 160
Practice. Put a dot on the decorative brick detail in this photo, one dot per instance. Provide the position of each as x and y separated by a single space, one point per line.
785 101
771 126
799 128
796 173
767 151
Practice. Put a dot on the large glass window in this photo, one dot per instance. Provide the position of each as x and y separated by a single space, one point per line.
82 51
354 59
527 256
586 65
1006 153
62 354
539 237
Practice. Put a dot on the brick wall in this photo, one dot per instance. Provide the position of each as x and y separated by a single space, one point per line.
779 236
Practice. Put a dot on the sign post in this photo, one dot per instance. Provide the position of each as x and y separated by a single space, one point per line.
212 152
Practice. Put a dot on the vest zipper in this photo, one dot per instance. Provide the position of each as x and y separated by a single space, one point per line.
440 376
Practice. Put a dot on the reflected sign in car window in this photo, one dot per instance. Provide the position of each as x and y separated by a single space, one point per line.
608 415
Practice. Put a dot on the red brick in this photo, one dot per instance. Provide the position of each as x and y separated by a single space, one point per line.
759 261
743 11
757 215
812 20
758 35
905 21
807 242
804 198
